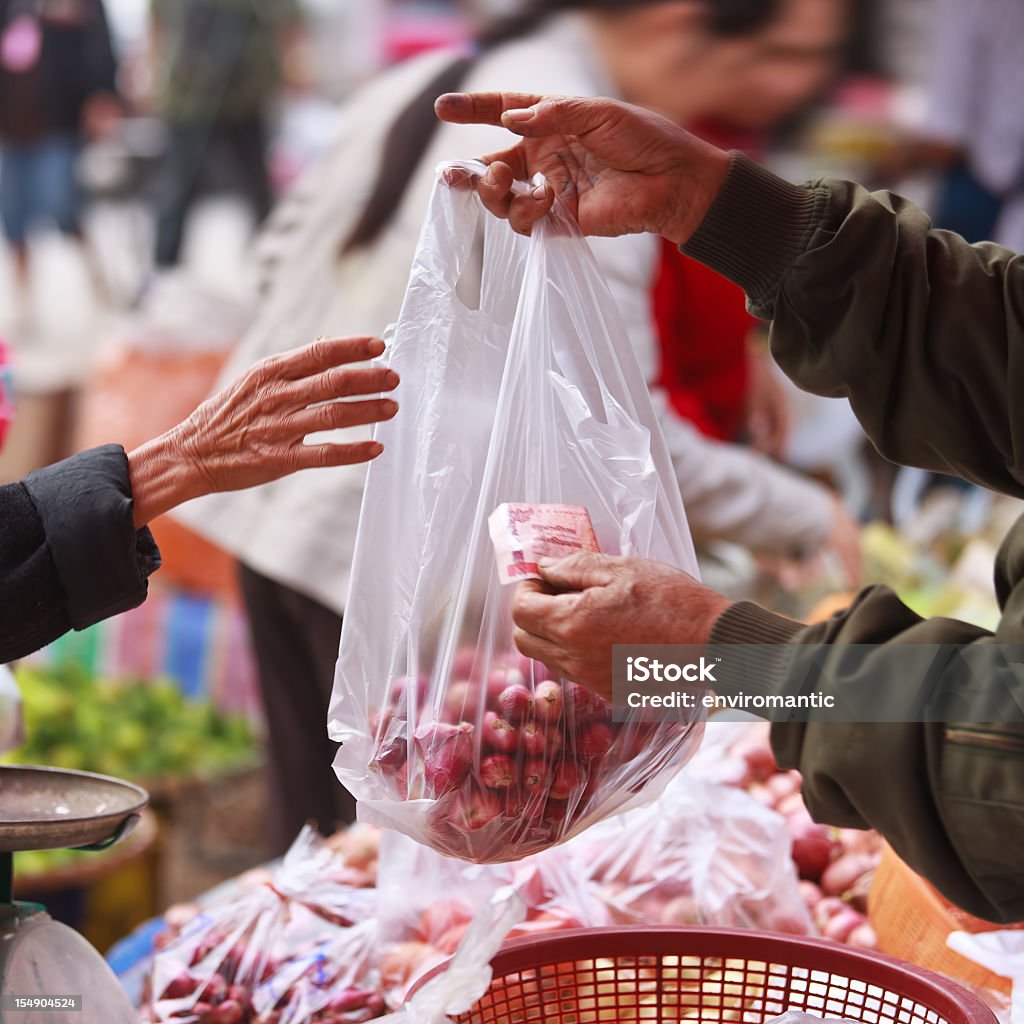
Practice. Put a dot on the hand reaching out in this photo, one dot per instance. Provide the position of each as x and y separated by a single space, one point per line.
254 431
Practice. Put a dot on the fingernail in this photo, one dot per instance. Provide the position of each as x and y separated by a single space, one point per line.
540 192
546 563
520 116
391 378
489 176
390 407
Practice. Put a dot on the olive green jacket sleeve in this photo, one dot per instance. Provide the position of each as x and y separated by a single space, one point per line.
925 336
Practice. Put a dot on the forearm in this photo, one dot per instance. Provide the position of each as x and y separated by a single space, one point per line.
917 328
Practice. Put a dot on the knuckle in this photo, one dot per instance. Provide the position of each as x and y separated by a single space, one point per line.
338 382
263 374
328 415
493 204
317 389
319 350
522 639
268 452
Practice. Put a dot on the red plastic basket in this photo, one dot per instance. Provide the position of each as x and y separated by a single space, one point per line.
706 976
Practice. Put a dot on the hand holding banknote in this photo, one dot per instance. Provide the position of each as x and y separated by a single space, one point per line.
589 602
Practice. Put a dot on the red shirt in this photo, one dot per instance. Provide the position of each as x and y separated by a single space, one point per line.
702 327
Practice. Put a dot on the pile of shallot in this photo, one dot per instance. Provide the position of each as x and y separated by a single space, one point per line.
836 865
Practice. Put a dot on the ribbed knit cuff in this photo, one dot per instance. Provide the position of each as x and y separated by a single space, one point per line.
756 229
754 648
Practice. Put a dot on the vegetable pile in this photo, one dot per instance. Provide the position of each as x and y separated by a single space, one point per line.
511 759
137 730
288 946
739 851
836 866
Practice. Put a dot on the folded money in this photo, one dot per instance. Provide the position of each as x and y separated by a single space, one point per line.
523 534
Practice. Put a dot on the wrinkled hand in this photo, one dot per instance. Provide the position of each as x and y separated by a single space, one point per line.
589 602
253 431
619 169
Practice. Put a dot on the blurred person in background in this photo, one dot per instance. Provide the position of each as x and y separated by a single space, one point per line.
218 67
974 133
57 86
336 253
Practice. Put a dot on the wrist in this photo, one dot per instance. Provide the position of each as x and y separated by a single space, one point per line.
700 176
161 478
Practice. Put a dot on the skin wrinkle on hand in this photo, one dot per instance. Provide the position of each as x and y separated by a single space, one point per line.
589 602
651 175
255 430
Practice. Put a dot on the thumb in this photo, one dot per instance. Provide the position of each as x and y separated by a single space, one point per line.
578 572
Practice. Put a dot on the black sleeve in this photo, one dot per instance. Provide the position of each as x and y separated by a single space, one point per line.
69 551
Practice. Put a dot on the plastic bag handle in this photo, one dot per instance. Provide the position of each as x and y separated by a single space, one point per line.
450 231
457 172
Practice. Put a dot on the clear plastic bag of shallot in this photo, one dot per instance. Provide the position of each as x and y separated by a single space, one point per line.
527 429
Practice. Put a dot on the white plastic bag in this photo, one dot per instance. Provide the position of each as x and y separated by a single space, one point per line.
799 1017
298 947
1002 953
468 974
702 854
533 395
428 902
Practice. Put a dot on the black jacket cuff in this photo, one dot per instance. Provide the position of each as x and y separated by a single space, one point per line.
85 506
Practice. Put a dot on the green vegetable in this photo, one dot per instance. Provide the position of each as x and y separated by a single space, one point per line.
136 730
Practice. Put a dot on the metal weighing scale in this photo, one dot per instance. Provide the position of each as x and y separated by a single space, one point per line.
52 809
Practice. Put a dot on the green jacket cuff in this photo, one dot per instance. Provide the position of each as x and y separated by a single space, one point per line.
756 229
754 647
